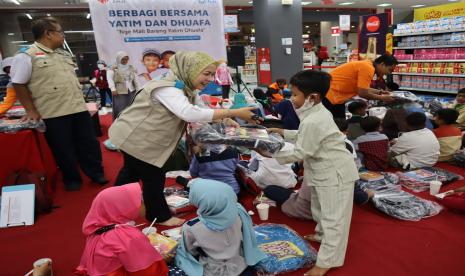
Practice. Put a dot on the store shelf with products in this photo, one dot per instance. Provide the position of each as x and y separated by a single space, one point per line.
430 75
429 32
429 47
249 70
430 60
431 54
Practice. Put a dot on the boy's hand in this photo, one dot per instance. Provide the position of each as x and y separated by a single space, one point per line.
280 131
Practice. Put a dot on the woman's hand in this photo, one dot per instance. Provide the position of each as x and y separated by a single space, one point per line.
280 131
114 93
246 114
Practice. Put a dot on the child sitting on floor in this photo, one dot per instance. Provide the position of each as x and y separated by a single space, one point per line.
358 109
372 147
416 148
221 240
460 107
329 169
449 136
265 171
113 246
216 162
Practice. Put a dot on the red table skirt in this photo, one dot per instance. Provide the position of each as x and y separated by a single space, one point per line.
26 149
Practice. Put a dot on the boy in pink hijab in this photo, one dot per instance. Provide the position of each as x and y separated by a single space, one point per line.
113 247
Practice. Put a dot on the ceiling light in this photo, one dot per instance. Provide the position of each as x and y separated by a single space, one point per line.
306 3
88 16
352 26
250 2
384 5
307 26
346 3
453 0
11 33
317 10
29 16
49 14
18 42
16 2
239 9
417 6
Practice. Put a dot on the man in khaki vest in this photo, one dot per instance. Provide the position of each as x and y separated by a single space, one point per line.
45 81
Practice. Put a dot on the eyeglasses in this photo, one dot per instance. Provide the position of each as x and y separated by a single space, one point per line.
59 32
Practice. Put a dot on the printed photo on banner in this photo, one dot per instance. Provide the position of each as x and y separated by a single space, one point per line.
150 32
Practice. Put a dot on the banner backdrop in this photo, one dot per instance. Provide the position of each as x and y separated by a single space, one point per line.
372 35
152 28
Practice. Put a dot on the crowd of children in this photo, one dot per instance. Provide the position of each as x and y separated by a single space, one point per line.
221 240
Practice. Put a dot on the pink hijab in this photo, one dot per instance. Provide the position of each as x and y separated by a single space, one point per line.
125 245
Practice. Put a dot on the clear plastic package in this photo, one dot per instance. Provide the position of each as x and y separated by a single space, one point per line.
393 201
15 125
405 206
15 113
248 136
286 250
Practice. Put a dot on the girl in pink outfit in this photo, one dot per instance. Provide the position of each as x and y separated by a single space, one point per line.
223 78
113 247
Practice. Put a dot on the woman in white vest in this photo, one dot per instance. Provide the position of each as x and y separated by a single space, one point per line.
148 131
122 80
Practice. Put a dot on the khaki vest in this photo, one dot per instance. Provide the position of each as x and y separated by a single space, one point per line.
147 130
54 87
120 82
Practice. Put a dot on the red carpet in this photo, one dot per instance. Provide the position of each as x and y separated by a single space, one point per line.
378 244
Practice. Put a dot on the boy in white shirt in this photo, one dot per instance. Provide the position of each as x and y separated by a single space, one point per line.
329 168
265 171
417 148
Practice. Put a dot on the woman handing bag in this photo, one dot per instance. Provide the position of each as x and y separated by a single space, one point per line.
148 131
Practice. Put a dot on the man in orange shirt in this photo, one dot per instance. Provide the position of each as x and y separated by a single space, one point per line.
354 78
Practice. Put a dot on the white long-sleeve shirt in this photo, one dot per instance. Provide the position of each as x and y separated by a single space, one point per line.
176 102
420 147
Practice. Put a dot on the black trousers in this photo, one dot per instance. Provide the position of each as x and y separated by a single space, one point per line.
338 110
225 89
153 183
104 92
277 193
72 141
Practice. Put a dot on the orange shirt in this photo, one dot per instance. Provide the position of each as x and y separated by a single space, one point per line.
9 100
348 78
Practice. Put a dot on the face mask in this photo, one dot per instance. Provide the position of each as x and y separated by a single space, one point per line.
100 66
307 105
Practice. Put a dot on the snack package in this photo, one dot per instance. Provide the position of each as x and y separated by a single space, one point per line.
418 180
164 245
15 125
249 136
286 250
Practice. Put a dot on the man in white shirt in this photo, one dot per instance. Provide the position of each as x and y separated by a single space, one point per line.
416 148
45 81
